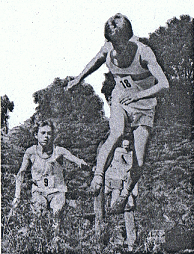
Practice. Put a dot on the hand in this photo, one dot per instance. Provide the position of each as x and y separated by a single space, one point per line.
127 100
94 169
15 202
72 83
96 184
82 162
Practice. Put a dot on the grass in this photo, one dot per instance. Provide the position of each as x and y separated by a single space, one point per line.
165 202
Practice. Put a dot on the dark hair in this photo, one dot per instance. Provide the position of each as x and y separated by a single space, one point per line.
42 124
127 23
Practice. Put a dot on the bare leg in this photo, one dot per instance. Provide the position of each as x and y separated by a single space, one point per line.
39 203
115 195
130 229
135 190
140 140
117 127
57 201
38 207
141 135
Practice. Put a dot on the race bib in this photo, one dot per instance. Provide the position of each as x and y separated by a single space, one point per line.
124 87
125 82
49 181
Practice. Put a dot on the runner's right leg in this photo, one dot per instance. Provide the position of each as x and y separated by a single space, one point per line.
38 203
140 140
130 229
141 135
117 127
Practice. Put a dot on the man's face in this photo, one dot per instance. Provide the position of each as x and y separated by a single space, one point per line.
44 135
126 144
116 26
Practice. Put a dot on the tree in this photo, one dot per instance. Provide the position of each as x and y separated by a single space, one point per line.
173 46
78 114
6 107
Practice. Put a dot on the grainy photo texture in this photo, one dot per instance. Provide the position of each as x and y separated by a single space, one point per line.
74 180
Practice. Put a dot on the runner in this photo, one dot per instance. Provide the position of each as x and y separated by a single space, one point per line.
49 187
138 79
116 179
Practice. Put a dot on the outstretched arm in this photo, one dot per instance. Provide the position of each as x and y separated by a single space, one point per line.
69 156
92 66
20 178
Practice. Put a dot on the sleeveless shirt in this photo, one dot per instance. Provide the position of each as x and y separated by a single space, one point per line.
119 168
47 174
137 78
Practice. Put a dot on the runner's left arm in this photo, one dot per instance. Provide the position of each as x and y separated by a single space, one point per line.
69 156
156 71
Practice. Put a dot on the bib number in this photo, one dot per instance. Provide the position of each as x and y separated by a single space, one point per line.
125 83
49 182
46 182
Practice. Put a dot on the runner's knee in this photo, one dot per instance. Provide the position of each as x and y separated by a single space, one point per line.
140 161
140 140
115 136
112 139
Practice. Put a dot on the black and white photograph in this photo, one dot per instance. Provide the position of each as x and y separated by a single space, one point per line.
97 127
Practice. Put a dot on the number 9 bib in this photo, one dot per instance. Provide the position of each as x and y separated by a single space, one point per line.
49 181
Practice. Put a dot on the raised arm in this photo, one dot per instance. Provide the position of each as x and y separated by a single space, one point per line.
20 177
69 156
92 66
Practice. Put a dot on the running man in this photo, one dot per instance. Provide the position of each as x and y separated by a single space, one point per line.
116 179
49 187
118 173
138 79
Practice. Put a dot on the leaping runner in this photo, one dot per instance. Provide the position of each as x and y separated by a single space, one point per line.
138 78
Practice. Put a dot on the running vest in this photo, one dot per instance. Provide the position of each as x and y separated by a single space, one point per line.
47 174
136 67
118 168
137 79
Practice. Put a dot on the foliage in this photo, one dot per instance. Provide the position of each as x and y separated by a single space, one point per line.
6 107
78 104
108 85
165 200
173 46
